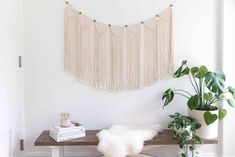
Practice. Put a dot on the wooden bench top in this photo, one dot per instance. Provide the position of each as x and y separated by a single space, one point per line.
163 138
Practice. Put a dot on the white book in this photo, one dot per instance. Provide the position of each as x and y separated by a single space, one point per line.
67 133
78 129
60 139
58 128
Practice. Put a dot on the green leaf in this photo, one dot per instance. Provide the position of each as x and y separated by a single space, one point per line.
193 102
198 139
181 144
208 96
182 70
192 147
222 113
197 126
185 71
168 96
215 82
199 72
231 90
183 155
184 62
202 71
210 118
231 102
194 71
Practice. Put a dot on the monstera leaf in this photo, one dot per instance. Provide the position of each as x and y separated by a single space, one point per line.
232 91
231 102
199 72
208 96
222 113
193 102
182 70
215 82
168 96
210 118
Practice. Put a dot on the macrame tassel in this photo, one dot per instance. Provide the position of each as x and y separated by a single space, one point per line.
102 57
133 39
158 55
165 41
66 53
171 54
117 57
86 49
71 42
150 51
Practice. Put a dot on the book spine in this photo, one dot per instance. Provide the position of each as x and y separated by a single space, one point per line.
60 139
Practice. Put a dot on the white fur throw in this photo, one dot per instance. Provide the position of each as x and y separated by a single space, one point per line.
123 140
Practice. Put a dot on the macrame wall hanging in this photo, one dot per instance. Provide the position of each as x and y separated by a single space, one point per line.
118 57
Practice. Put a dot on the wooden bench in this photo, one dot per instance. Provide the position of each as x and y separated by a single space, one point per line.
57 148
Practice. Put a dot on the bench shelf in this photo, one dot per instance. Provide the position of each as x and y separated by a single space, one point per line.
163 138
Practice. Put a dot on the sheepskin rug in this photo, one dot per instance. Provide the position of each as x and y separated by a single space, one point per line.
125 140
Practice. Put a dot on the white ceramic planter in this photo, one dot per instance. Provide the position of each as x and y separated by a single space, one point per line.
205 131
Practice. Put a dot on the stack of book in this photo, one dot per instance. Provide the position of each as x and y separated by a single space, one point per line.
74 131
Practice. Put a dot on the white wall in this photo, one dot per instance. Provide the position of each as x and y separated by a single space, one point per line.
49 91
11 77
229 65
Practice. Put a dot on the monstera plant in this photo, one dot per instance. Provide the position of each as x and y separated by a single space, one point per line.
209 90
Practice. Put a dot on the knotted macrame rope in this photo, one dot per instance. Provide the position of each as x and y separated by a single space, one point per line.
118 58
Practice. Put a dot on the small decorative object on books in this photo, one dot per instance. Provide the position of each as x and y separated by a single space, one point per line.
73 131
65 121
204 103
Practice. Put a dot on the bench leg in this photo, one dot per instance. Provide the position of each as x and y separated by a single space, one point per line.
57 151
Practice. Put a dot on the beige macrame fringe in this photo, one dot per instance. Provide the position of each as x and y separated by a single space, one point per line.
117 57
133 43
150 51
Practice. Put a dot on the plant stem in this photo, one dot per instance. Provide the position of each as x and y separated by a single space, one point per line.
218 100
200 92
196 83
182 95
211 102
182 91
192 83
203 89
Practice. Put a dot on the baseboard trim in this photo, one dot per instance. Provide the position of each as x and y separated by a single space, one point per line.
67 154
80 154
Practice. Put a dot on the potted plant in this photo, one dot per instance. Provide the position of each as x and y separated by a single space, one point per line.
205 103
184 129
